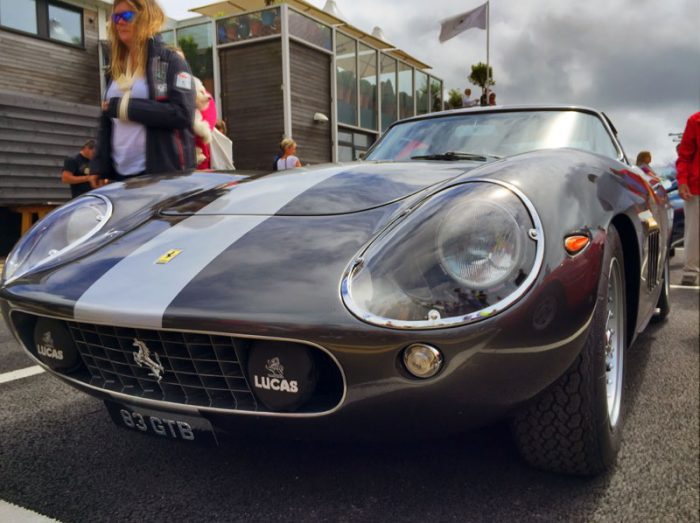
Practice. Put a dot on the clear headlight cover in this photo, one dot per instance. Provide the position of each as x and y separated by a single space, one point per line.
463 255
60 232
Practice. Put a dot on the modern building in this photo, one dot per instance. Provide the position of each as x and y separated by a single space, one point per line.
277 68
289 69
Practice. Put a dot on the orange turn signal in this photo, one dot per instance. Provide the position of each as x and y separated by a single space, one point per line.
576 243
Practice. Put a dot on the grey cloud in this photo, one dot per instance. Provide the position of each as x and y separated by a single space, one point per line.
621 67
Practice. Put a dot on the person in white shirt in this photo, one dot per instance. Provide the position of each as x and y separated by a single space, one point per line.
467 100
288 160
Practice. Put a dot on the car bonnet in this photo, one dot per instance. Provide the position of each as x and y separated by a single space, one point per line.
339 189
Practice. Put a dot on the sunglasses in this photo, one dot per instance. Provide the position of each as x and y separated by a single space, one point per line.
127 16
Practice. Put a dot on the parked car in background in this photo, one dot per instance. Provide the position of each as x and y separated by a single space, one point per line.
481 264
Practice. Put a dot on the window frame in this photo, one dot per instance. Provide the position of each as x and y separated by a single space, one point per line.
42 23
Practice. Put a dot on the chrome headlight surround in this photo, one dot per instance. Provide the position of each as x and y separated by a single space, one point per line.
38 247
505 288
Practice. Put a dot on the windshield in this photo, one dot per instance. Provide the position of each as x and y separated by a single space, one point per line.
482 136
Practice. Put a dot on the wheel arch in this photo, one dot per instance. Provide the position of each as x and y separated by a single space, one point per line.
630 251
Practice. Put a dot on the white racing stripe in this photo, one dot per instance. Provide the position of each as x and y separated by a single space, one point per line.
18 375
10 512
137 291
267 195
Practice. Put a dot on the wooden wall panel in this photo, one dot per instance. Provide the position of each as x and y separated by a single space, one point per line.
36 135
46 68
252 102
311 93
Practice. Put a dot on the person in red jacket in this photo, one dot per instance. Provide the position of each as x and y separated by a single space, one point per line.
688 168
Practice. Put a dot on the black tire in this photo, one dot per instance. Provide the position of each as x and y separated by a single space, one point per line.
569 428
664 303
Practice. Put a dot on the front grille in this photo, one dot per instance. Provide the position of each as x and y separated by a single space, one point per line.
199 369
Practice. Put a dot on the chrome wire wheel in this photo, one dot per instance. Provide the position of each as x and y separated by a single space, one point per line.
614 342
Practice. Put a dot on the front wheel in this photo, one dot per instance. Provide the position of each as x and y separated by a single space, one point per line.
574 426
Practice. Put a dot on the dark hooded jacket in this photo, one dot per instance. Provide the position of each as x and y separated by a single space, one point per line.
167 115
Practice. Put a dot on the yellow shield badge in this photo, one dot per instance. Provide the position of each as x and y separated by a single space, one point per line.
168 256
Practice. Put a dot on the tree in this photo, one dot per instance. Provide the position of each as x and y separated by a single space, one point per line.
454 99
200 60
478 76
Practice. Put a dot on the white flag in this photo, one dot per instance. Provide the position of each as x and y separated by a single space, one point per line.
451 27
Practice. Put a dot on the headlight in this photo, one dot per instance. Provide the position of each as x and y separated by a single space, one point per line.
60 232
480 243
465 254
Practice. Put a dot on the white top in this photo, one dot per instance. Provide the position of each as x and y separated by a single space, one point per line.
287 163
467 101
128 138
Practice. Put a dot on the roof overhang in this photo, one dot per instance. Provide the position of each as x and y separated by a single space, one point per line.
233 7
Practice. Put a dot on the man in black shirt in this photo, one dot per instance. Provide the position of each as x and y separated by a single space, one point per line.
76 170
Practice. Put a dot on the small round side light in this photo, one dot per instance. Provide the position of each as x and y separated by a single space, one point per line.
576 243
422 361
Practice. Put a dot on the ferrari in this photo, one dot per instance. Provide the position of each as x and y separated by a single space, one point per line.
477 265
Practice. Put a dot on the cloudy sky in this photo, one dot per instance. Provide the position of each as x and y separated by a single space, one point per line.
637 60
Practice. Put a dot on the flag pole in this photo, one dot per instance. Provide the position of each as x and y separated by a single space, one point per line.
488 68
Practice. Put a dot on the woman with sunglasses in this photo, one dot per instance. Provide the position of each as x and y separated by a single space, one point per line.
146 124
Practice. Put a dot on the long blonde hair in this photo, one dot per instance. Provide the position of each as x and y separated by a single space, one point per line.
148 22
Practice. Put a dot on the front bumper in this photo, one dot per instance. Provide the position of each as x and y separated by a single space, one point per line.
487 374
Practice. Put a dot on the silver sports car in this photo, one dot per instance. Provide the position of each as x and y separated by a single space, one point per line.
478 265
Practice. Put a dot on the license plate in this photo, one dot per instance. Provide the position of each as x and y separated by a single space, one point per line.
165 425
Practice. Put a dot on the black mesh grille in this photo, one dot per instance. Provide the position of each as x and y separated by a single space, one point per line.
653 268
198 369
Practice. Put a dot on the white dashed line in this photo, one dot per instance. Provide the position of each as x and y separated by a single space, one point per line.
10 512
18 375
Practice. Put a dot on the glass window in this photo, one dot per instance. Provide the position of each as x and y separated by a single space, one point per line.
368 87
421 93
345 153
168 37
196 42
405 90
346 77
19 14
310 30
351 145
344 136
65 25
245 27
481 136
435 94
600 139
388 86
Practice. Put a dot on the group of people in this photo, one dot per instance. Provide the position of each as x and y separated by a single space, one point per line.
156 117
487 98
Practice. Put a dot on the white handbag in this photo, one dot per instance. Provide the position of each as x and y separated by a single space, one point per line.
221 151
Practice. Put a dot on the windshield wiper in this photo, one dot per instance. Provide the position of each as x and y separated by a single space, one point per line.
455 155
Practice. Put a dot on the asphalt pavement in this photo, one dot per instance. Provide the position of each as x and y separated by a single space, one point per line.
61 456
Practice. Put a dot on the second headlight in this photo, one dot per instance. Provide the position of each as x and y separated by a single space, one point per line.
480 243
466 253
